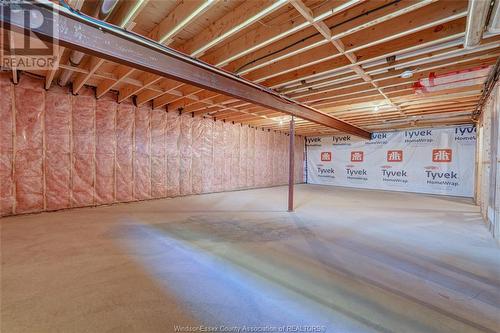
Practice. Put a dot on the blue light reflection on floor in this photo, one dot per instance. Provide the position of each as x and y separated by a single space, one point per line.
218 292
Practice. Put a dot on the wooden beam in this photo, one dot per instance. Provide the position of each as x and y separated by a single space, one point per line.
299 61
476 22
50 74
164 33
448 31
166 85
352 20
185 91
147 79
120 73
187 101
280 27
116 45
420 58
127 12
238 19
426 17
92 66
243 16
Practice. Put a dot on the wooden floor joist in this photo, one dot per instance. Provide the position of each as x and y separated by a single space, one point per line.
308 56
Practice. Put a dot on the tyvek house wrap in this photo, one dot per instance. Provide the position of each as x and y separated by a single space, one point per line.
62 151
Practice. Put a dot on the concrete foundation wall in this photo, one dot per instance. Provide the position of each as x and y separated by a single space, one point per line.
488 159
61 151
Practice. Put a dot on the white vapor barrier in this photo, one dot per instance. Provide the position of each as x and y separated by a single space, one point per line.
426 160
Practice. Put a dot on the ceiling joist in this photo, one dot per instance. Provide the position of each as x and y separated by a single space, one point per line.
109 43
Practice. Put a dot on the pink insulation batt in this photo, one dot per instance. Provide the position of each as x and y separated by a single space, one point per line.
60 151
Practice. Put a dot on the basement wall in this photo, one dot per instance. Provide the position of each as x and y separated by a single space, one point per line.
488 159
60 151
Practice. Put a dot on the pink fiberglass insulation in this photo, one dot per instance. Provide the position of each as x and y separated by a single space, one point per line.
298 160
235 156
251 157
207 155
266 172
242 180
269 159
173 155
277 156
142 158
270 156
196 146
257 158
284 158
83 112
280 157
28 170
105 150
65 151
186 154
58 148
274 158
218 151
226 175
300 147
124 152
265 158
6 147
158 154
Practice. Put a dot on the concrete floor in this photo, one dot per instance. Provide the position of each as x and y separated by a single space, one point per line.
347 261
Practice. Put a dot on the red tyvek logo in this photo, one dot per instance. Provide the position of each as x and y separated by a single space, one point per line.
394 156
326 156
357 156
441 155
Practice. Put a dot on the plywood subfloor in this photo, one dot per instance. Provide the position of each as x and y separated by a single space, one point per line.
349 260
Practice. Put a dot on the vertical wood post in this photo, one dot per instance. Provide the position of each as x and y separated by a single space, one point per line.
291 166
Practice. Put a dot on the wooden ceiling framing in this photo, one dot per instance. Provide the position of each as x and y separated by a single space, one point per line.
343 57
